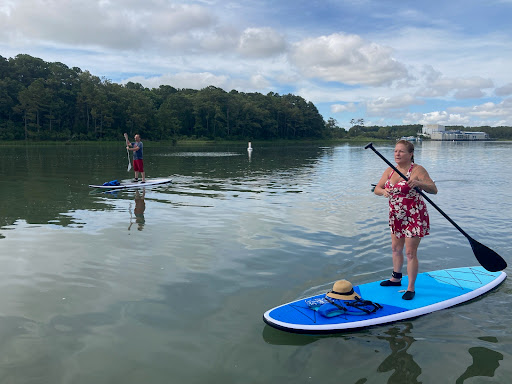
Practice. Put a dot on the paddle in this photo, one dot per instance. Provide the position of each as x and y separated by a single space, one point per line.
128 153
489 259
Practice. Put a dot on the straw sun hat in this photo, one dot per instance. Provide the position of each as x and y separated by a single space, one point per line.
343 290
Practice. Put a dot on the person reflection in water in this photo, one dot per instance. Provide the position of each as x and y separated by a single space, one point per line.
140 207
400 361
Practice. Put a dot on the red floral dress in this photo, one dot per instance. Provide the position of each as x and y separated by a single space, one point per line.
408 216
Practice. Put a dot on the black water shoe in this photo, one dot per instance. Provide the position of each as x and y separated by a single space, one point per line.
409 295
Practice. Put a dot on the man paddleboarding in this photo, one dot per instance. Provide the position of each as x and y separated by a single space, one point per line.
138 162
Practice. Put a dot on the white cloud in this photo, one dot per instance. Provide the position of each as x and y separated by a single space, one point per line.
449 50
436 117
505 90
133 25
492 114
261 42
459 88
259 82
200 80
176 18
349 107
346 59
386 105
488 110
6 6
220 39
182 80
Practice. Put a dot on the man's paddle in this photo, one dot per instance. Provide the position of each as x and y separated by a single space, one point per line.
489 259
128 153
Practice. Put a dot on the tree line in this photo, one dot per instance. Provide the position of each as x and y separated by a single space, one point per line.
50 101
42 100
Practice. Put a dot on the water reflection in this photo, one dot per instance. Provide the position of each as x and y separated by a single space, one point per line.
293 218
138 212
406 370
53 198
249 150
276 337
485 363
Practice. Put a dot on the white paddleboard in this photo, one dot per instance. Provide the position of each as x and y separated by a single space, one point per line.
133 184
435 290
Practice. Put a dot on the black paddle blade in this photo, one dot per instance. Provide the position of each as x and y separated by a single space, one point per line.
487 258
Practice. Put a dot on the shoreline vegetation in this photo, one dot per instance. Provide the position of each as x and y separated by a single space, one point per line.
206 143
188 142
50 102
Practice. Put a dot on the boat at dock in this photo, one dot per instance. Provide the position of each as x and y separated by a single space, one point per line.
410 138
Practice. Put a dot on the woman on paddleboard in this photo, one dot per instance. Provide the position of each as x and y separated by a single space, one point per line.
408 216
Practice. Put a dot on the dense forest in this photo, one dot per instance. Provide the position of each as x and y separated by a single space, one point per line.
49 101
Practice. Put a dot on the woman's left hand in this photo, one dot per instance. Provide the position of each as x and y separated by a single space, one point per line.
415 183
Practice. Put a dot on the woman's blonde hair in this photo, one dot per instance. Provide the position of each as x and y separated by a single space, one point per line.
409 146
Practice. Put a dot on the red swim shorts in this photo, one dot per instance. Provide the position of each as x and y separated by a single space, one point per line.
138 165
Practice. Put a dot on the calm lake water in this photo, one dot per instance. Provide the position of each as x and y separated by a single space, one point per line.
169 284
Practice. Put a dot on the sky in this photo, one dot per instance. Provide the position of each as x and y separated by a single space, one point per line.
389 62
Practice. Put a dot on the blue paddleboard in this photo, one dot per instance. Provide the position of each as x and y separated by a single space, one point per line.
133 184
435 290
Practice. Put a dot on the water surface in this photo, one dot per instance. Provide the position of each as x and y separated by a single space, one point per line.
169 284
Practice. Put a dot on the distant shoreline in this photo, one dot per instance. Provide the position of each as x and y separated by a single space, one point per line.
192 142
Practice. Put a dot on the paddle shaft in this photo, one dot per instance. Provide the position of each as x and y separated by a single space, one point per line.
128 153
419 191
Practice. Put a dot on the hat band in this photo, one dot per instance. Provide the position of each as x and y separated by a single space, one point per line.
351 292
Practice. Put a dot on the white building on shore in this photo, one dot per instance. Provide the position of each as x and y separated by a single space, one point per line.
429 129
439 132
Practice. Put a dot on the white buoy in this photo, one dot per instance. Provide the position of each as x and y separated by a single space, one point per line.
249 148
